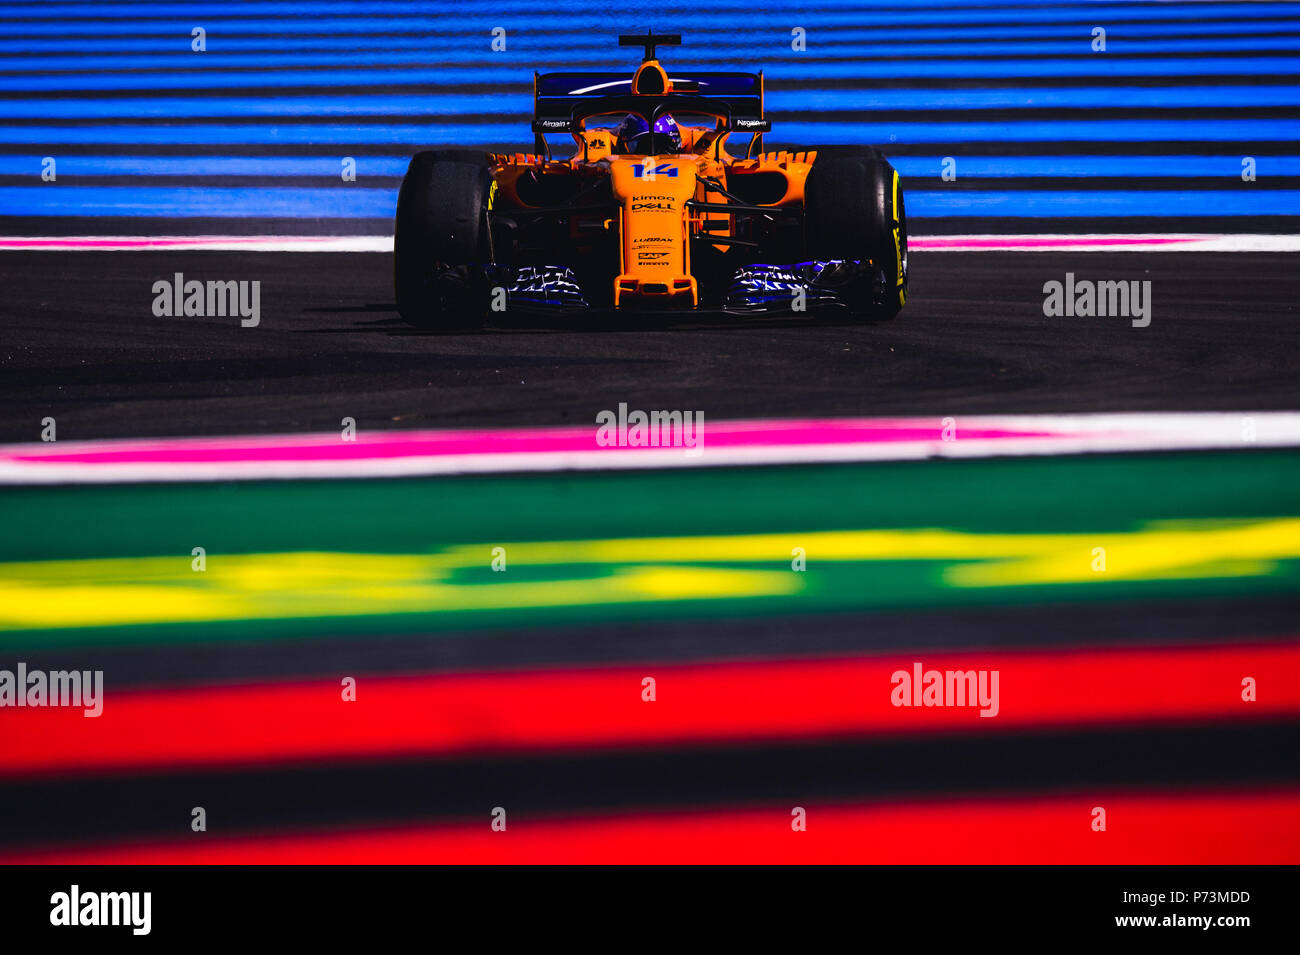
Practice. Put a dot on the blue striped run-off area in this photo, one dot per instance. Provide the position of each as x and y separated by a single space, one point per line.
1037 129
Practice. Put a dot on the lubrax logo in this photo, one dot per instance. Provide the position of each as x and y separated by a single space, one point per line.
215 300
946 688
75 907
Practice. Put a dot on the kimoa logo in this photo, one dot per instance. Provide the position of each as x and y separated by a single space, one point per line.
213 299
75 907
1086 299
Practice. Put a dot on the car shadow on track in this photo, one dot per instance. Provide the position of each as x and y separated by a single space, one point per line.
537 321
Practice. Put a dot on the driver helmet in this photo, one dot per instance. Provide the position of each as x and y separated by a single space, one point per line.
632 135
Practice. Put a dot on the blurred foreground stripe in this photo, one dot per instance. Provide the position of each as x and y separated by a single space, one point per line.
1169 828
762 701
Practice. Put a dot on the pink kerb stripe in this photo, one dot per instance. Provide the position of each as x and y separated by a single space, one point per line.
1043 242
506 441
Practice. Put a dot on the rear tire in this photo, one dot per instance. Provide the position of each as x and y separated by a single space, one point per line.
854 211
440 240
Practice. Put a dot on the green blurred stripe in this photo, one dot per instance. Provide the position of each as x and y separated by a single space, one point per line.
1083 494
1024 495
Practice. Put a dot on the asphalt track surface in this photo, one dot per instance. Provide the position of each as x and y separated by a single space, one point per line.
79 342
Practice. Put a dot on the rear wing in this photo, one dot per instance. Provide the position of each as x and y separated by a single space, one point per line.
562 100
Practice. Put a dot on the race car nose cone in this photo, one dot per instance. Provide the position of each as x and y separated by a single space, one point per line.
653 192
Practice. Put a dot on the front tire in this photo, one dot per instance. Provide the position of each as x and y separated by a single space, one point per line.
441 240
854 212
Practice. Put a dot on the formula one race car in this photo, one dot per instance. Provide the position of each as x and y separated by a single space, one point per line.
649 212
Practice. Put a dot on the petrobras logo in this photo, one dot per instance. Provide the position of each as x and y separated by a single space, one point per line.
645 170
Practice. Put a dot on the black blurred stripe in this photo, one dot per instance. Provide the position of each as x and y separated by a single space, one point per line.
521 119
1045 627
1080 185
77 810
334 150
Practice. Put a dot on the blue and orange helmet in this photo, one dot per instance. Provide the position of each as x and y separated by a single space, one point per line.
635 136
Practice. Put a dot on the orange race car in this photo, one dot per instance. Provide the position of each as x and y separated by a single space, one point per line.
649 211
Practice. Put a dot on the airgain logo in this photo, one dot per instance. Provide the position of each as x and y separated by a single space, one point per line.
644 170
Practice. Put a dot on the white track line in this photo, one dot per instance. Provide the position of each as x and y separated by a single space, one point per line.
1136 242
